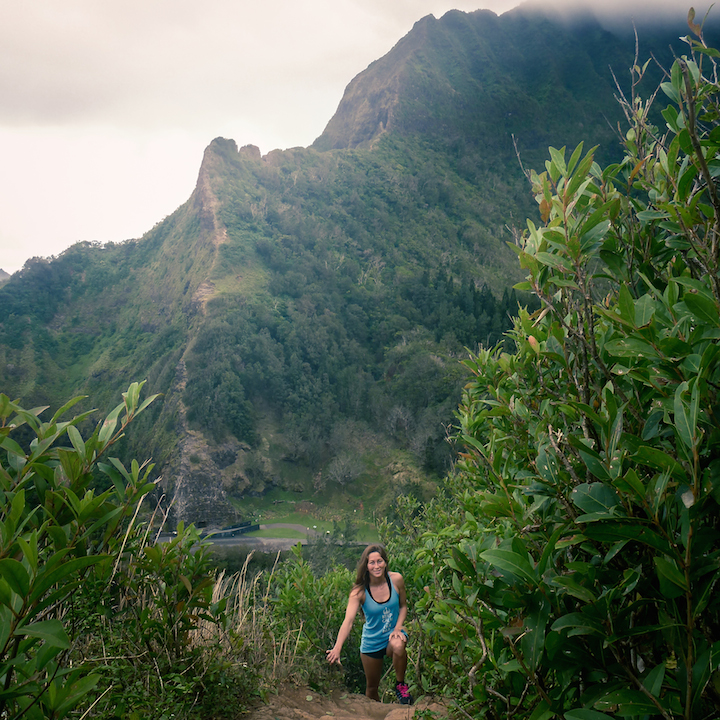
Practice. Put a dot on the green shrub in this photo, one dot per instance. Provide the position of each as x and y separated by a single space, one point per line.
54 529
577 576
92 613
309 609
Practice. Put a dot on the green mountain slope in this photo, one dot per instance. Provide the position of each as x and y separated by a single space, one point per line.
304 312
476 80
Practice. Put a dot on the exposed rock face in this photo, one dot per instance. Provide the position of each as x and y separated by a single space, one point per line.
484 78
252 152
369 104
199 497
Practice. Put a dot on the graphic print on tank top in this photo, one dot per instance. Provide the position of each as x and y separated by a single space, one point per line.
388 621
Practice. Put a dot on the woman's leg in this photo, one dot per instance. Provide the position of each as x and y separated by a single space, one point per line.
373 674
396 650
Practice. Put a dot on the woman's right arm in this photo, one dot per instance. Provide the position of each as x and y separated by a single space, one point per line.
354 601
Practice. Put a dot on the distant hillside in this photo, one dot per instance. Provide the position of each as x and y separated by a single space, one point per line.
3 276
304 313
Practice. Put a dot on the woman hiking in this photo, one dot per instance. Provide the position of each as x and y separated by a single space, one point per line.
380 594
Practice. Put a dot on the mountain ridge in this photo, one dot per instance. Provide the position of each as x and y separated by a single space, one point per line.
304 312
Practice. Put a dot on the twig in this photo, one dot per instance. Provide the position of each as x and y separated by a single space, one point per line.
97 700
127 534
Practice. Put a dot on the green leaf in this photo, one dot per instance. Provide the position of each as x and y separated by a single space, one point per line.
109 425
542 712
652 425
700 677
554 261
632 482
69 404
6 621
572 587
76 440
14 573
511 562
612 532
550 548
547 466
533 640
29 547
672 581
464 564
647 215
659 460
595 498
11 447
614 550
558 159
630 347
702 307
74 692
55 574
644 310
685 423
626 305
628 703
51 631
594 464
573 161
585 714
686 181
654 680
581 623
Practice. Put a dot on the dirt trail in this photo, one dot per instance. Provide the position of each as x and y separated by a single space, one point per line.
293 703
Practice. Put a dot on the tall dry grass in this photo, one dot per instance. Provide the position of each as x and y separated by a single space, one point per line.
251 636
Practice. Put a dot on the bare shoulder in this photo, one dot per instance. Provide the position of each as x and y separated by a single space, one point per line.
397 579
357 594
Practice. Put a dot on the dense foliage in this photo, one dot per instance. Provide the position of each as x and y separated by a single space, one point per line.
372 293
573 572
89 607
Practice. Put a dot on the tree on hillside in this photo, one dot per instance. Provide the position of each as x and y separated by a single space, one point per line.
579 578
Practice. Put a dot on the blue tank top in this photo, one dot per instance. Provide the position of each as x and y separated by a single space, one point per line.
380 620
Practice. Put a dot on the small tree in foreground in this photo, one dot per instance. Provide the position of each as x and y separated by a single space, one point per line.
580 581
94 615
54 527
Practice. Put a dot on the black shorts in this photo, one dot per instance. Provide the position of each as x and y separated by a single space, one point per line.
380 654
377 654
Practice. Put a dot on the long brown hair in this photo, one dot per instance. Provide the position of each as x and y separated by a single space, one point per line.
362 577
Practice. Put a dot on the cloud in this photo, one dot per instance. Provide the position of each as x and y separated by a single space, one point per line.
107 106
614 12
154 63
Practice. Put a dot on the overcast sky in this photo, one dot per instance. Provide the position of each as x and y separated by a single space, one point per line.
106 106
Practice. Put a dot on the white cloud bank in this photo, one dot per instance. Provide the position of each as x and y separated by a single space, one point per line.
107 106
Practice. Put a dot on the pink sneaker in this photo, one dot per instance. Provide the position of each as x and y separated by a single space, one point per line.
403 693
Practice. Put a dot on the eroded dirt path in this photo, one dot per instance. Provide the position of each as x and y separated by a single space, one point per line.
292 703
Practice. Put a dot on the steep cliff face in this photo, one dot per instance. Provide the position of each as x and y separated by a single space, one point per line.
530 74
474 74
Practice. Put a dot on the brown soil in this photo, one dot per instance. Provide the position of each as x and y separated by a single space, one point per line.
293 703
